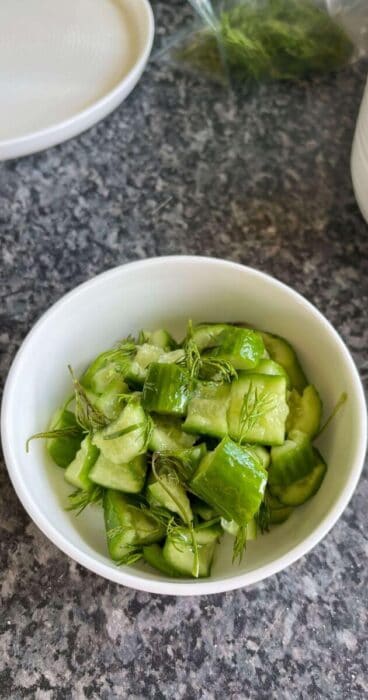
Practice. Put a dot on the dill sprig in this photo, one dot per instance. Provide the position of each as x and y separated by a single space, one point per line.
204 367
255 404
131 557
263 517
343 398
240 544
71 431
80 499
88 416
277 39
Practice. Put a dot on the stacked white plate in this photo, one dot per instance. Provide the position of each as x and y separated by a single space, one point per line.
65 64
359 157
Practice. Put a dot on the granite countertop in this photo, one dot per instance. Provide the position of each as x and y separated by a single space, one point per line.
260 177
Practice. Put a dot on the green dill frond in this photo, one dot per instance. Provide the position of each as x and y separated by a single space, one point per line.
88 417
79 499
72 431
240 544
255 405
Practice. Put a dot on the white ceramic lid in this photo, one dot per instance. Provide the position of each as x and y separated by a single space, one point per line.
65 65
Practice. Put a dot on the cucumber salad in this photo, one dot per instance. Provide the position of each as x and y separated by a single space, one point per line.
180 443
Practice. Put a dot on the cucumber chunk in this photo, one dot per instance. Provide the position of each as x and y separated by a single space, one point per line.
152 554
242 347
202 509
266 366
129 478
130 429
166 389
167 434
169 494
301 490
258 409
305 411
127 525
78 471
290 462
178 550
138 367
280 515
232 480
282 352
207 410
62 450
163 339
109 402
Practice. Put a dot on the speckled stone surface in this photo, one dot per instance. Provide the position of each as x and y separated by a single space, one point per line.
262 178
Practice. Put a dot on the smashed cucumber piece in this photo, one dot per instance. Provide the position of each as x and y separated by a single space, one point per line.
242 347
126 437
153 555
170 494
129 478
166 389
282 352
232 480
167 434
301 490
207 410
290 462
78 472
258 409
178 549
62 450
127 525
305 411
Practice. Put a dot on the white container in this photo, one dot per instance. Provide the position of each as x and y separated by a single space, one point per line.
165 292
359 157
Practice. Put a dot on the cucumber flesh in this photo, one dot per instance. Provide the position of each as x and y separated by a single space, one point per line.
78 472
138 367
305 411
127 525
129 478
130 430
207 410
242 347
301 490
262 393
152 554
167 434
174 498
202 509
232 528
282 352
109 402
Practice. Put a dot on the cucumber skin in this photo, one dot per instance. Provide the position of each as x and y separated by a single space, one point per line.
291 461
152 555
166 389
63 450
207 410
284 354
232 481
242 347
303 489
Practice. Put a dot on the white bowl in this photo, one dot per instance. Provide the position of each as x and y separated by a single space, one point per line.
166 292
65 67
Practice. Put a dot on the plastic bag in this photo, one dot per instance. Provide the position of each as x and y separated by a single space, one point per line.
239 40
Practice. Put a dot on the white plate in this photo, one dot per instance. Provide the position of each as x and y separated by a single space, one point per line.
66 65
